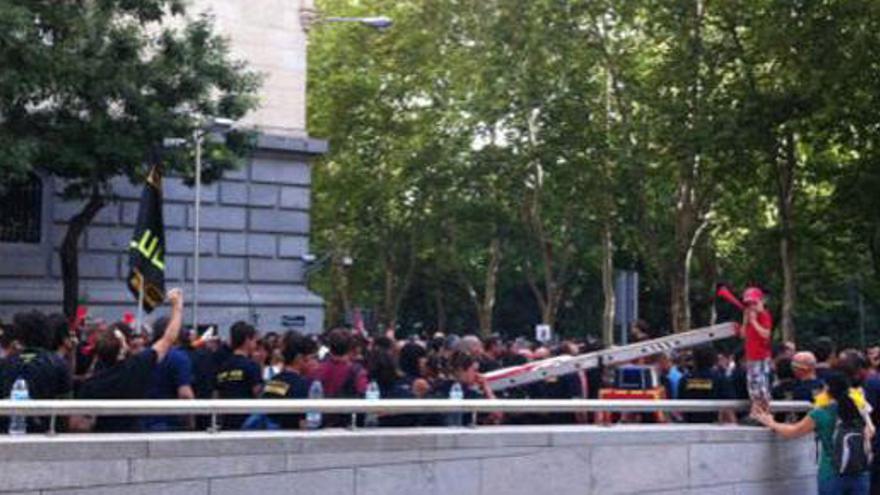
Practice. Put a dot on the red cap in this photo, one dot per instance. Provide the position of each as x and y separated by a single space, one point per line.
753 295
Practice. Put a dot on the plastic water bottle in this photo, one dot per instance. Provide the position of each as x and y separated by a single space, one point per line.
313 418
18 424
373 394
456 393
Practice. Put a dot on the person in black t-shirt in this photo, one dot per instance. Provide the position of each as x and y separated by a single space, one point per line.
292 383
464 370
46 377
705 382
123 377
239 377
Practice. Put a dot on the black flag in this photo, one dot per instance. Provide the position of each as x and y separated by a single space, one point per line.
147 248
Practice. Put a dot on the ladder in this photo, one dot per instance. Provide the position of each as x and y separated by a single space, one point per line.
563 365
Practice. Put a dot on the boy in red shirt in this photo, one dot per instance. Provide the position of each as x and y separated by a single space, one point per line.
756 330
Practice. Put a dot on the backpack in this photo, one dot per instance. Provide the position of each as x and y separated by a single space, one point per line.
851 449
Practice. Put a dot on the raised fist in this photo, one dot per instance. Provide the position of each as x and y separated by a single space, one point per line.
175 297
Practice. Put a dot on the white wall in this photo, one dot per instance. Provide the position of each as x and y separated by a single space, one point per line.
267 34
636 459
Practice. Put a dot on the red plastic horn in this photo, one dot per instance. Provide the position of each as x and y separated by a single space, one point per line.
725 293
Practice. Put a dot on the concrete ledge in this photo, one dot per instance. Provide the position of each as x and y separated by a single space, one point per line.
280 143
649 459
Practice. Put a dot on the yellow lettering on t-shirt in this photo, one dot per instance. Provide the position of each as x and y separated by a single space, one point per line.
278 388
230 376
698 384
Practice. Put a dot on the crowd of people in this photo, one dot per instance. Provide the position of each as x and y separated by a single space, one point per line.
102 360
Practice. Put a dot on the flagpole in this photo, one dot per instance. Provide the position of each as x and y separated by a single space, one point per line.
138 322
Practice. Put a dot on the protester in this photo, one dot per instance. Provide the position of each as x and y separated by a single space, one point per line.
341 374
824 349
808 384
292 382
172 379
239 377
45 375
705 383
757 327
823 420
125 376
414 365
464 371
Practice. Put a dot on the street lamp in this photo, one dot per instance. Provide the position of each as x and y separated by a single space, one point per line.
309 16
210 126
379 23
313 263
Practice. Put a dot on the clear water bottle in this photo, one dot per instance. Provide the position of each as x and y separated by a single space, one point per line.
456 393
373 394
18 424
313 418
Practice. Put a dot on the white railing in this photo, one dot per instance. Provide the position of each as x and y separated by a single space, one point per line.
385 406
215 407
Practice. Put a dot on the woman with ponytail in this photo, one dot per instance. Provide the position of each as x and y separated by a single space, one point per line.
842 404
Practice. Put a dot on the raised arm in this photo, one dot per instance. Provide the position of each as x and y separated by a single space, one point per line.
164 344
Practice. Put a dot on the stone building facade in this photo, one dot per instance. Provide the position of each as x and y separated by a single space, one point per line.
254 222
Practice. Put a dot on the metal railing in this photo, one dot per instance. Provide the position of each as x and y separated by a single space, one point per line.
154 407
215 407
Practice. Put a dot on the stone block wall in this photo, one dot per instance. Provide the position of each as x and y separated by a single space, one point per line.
560 460
254 231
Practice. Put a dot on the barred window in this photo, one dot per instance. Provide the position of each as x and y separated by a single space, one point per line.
21 208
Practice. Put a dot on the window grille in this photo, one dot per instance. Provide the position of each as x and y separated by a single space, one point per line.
21 211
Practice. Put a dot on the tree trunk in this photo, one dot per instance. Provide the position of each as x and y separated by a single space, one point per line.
485 305
679 301
488 305
687 235
389 312
396 284
608 295
69 252
341 302
786 172
709 274
440 306
688 205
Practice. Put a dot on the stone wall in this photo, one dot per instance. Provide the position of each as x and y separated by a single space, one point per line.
254 231
637 459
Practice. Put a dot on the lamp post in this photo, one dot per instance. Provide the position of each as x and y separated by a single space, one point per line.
210 125
213 125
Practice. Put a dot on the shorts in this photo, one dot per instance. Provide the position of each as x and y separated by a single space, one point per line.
758 379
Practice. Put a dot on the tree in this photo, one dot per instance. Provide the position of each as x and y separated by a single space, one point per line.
520 151
90 89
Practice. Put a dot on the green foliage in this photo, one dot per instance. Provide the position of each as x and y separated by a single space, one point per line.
89 90
537 121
